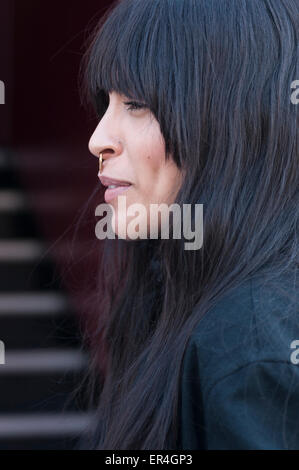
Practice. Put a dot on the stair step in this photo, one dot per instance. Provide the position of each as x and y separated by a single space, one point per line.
42 361
43 320
39 381
16 219
12 201
16 224
32 331
26 265
9 178
7 158
41 444
48 424
33 303
21 250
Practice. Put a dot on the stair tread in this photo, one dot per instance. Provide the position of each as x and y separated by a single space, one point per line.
24 303
43 424
42 361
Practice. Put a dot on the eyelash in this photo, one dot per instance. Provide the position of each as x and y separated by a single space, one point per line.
134 106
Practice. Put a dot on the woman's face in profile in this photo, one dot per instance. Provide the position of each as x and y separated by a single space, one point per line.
134 152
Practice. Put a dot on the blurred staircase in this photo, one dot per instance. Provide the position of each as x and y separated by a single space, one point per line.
43 359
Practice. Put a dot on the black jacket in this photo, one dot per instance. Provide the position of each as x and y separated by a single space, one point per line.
240 381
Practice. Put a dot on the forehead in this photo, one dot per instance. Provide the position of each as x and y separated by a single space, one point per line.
125 54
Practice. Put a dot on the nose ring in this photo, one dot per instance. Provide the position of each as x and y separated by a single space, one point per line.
101 163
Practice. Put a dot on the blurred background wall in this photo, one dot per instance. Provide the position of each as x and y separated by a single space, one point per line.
6 68
50 127
48 249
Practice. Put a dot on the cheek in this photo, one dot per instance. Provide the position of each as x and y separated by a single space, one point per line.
152 149
153 162
148 171
149 162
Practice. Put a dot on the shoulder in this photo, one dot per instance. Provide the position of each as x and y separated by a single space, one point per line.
240 388
255 321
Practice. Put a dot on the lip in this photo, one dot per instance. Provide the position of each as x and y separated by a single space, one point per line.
106 181
111 194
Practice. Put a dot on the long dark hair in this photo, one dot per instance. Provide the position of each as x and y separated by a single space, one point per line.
217 76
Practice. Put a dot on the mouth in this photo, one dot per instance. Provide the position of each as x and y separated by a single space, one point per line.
114 187
112 193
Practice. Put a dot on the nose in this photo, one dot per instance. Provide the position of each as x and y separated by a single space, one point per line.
98 145
102 142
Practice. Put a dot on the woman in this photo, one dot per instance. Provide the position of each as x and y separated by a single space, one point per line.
194 107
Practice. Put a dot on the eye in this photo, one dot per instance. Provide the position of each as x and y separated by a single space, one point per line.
134 106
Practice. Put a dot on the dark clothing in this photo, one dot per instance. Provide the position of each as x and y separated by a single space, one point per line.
240 385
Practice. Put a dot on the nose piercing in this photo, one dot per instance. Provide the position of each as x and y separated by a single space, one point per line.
101 163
